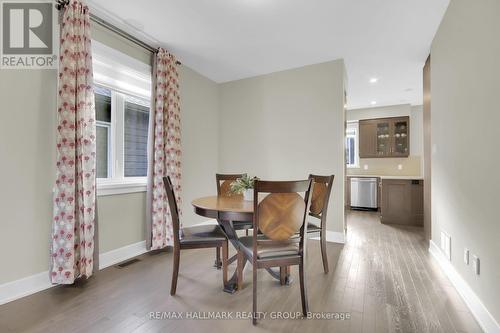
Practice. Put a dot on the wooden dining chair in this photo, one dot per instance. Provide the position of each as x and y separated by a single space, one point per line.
319 207
224 190
197 237
278 216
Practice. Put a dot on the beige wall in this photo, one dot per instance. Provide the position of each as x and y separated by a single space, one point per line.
27 171
286 125
465 72
121 220
200 135
411 166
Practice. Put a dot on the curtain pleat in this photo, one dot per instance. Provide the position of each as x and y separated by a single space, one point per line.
74 235
164 149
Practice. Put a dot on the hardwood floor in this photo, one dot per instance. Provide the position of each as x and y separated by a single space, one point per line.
383 276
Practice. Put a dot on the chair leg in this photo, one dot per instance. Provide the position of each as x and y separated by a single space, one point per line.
218 262
175 271
303 289
283 272
246 232
240 269
254 307
323 252
224 262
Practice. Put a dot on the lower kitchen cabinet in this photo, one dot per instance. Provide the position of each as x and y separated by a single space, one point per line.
402 202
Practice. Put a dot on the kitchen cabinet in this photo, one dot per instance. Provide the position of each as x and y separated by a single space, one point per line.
367 138
384 137
402 202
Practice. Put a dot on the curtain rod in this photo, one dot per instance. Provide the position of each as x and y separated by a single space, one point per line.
61 3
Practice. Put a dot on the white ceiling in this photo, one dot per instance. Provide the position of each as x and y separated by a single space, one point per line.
232 39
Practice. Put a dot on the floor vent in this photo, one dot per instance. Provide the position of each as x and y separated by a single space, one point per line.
127 263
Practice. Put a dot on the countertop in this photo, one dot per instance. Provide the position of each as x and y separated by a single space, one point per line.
389 177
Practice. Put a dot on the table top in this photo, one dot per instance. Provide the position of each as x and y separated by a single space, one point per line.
234 204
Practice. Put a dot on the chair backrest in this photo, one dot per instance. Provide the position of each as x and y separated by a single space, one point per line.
174 212
282 212
224 184
321 196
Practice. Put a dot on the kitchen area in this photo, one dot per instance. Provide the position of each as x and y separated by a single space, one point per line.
384 156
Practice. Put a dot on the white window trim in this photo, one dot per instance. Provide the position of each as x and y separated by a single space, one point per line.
121 186
354 124
109 139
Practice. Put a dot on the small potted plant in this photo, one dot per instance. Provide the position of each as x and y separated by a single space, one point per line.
244 185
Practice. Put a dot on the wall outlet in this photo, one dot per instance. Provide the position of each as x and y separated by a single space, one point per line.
446 244
365 167
466 256
476 264
400 166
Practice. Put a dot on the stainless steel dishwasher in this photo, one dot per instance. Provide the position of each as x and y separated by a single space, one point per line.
364 193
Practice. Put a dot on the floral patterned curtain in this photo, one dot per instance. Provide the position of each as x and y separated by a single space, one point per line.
74 224
164 149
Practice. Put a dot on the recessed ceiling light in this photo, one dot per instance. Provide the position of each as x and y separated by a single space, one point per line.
408 89
373 102
373 80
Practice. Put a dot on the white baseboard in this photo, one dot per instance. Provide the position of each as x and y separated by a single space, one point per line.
16 289
207 222
121 254
333 237
473 302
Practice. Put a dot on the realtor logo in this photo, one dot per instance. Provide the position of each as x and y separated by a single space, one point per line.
28 34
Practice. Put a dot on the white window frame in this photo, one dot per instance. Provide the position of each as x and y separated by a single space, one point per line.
107 125
124 76
353 125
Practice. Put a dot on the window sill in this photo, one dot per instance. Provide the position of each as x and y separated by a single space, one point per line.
107 187
352 166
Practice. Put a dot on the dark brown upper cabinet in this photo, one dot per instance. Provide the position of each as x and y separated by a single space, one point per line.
384 137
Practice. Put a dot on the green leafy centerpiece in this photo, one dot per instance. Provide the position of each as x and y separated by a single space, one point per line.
244 185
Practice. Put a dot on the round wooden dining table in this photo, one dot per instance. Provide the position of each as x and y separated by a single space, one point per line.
229 211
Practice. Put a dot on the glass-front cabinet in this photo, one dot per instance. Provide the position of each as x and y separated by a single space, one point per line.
384 137
400 137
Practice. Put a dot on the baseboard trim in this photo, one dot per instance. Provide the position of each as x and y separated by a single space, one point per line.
473 302
207 222
333 237
113 257
16 289
29 285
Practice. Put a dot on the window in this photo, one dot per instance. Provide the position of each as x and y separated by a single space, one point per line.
122 95
136 122
352 144
124 120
